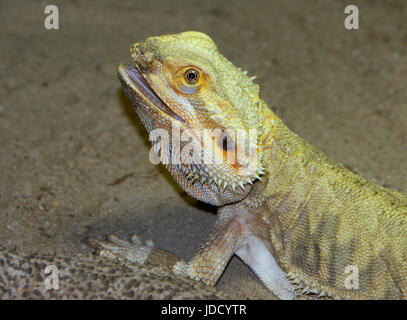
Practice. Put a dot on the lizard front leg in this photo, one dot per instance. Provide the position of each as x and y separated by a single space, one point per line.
236 231
242 232
134 252
208 263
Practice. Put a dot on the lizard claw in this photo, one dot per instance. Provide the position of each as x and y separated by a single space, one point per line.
121 250
136 240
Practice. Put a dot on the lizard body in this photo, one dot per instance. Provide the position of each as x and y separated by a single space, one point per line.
303 224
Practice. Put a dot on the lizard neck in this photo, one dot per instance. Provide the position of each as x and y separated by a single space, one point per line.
289 161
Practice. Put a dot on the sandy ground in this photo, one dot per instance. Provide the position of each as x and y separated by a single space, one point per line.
68 134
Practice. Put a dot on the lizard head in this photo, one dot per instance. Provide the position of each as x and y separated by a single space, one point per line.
182 81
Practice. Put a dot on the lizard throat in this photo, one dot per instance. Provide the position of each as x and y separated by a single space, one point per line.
133 79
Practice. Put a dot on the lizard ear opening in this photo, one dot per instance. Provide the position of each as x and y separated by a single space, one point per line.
226 143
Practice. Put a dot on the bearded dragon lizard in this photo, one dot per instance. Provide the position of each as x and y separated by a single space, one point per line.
303 223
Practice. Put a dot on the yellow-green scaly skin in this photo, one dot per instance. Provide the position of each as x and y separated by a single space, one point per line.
324 218
308 219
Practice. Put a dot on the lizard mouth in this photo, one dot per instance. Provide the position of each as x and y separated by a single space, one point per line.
133 78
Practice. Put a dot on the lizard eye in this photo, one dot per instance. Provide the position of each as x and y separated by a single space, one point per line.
191 76
189 80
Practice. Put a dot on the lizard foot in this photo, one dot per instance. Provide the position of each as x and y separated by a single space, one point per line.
117 249
134 251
